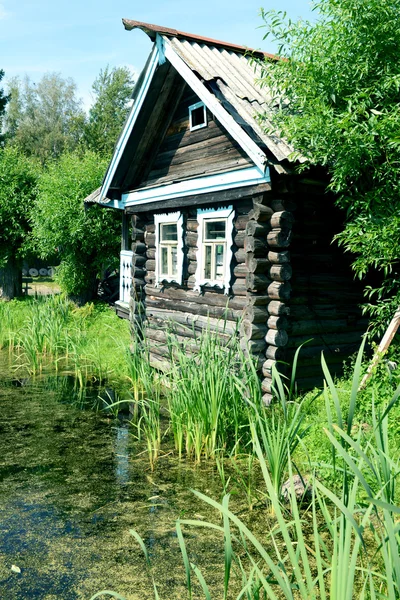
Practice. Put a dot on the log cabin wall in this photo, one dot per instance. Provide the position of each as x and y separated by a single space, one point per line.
289 284
325 297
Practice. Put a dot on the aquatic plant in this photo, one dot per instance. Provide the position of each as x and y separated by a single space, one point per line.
343 545
206 406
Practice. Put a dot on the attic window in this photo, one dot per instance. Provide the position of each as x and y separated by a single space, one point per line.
197 116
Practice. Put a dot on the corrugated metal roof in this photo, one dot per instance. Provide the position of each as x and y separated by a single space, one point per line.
231 73
232 77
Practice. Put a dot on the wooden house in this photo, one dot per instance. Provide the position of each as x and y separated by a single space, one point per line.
218 227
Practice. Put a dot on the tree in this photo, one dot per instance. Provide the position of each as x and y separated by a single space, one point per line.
3 102
338 104
45 119
18 179
85 237
112 90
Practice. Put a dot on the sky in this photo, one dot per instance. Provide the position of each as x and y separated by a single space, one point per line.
77 38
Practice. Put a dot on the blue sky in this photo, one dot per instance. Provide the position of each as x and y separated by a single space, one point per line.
79 37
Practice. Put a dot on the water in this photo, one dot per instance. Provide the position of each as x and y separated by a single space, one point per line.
72 484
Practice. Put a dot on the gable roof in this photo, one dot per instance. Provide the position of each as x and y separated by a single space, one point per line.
223 75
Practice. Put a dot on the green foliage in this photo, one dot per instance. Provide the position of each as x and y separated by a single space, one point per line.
3 103
85 237
336 99
112 91
18 181
44 119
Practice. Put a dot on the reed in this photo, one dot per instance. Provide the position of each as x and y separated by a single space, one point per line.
344 545
206 407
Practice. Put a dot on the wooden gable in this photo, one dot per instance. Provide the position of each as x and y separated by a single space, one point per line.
184 153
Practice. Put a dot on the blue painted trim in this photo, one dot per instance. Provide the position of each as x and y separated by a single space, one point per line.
137 105
199 185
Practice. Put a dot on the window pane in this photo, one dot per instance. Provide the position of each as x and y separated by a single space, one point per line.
174 260
164 260
207 262
219 261
215 230
169 232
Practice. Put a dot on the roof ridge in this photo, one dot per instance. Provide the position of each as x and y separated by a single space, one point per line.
151 30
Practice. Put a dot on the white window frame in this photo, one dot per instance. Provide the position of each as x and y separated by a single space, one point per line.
191 109
170 218
218 214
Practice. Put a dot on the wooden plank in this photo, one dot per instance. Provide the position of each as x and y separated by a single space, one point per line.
225 196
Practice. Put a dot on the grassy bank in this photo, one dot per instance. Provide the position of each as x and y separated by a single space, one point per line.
51 334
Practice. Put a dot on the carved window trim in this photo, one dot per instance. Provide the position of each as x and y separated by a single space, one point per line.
175 218
220 214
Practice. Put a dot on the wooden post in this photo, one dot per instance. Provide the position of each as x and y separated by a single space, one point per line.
382 348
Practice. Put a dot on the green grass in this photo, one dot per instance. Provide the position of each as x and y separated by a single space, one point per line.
51 334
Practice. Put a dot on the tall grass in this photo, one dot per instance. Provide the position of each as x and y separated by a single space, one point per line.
51 334
344 545
206 405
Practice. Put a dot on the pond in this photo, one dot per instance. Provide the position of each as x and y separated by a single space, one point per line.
72 484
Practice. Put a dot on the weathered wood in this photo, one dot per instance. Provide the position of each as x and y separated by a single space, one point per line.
279 238
267 399
138 260
266 386
137 234
240 255
138 248
212 298
253 346
257 265
191 238
193 308
255 314
276 337
278 308
192 320
230 195
280 272
239 288
192 254
275 352
150 227
279 291
279 257
192 267
240 270
192 225
151 253
150 240
253 331
241 222
139 273
282 220
150 265
382 348
261 212
255 245
282 205
278 323
239 238
257 229
267 367
332 340
257 283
